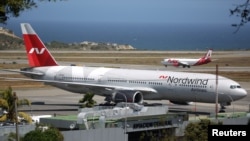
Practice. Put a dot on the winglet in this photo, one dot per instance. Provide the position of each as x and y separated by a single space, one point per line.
37 53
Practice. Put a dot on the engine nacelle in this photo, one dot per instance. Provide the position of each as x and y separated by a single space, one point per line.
127 96
181 102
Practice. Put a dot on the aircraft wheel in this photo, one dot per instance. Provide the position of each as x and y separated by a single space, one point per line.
222 111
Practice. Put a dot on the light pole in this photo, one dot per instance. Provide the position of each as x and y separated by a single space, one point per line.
125 118
195 114
15 104
125 127
216 97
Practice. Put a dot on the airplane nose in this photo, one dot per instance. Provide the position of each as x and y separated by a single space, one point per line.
241 93
244 93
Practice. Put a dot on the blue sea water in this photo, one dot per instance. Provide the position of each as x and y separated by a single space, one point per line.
146 36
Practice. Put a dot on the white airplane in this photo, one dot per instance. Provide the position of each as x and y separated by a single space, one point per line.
125 85
188 62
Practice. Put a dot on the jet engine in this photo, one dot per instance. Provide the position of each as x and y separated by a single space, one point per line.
127 96
181 102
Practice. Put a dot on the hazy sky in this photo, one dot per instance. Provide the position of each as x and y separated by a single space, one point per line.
133 11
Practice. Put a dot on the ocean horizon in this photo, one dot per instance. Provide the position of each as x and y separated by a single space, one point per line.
145 36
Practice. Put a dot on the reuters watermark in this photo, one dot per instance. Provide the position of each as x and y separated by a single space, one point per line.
240 132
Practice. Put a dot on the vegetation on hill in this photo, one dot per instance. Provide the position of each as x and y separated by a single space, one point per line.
9 41
87 46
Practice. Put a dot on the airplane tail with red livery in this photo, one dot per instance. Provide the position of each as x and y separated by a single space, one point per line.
186 62
205 59
37 53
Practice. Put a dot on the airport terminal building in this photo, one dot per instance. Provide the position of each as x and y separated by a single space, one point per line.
128 121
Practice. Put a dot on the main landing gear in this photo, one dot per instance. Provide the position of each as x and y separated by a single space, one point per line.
223 107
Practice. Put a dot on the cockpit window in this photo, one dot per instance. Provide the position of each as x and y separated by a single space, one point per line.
235 86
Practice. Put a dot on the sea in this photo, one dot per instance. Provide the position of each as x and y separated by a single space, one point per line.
151 36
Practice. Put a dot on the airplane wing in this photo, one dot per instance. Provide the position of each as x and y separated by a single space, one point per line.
89 85
181 63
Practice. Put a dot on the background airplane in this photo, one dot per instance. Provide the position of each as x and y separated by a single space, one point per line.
125 85
188 62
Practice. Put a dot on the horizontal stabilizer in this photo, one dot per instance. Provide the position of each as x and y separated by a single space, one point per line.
23 72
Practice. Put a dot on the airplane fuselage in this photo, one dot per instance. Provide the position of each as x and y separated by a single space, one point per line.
184 62
173 86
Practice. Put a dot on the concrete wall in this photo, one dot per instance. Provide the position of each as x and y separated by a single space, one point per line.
107 134
22 129
236 121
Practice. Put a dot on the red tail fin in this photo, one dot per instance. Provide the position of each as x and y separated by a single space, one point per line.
37 52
